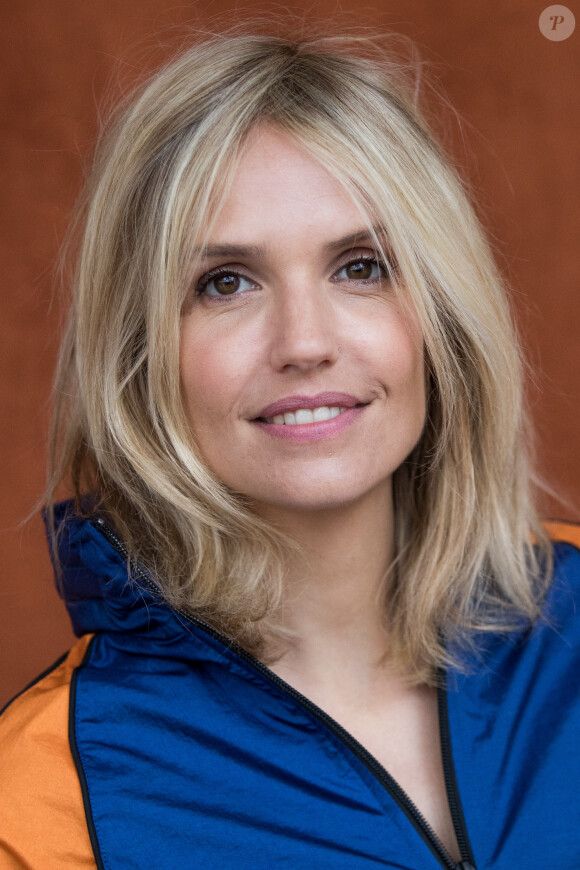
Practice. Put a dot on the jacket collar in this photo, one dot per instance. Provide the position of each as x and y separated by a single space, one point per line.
102 593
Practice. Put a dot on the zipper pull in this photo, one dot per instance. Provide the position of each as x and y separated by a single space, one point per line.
464 865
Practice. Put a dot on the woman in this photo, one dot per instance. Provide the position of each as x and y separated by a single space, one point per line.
300 551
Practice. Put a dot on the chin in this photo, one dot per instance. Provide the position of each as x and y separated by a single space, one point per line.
321 498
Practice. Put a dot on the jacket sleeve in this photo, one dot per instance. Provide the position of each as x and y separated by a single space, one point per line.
42 814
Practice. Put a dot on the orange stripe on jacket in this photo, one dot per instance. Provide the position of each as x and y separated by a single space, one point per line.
43 824
562 531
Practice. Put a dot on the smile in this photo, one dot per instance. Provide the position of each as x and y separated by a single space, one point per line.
309 418
304 415
318 422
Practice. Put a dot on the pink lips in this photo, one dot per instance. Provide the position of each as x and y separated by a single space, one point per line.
310 431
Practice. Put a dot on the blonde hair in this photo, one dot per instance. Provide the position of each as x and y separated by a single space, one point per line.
464 514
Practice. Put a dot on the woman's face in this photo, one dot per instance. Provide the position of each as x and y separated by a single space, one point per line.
303 378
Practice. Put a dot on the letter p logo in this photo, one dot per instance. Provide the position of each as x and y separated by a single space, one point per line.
557 23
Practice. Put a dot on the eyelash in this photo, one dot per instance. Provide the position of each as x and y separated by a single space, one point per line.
387 270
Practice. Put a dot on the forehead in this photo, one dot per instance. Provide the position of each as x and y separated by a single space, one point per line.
278 187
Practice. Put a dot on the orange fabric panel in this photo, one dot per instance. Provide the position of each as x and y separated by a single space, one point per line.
41 807
562 531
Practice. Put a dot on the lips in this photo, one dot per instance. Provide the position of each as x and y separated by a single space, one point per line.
291 404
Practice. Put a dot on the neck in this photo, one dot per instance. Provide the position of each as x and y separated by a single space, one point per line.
334 596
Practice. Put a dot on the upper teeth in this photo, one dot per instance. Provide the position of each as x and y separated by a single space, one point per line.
303 415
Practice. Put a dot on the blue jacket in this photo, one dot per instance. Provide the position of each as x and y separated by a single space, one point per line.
191 754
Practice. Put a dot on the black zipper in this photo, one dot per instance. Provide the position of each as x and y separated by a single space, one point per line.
403 800
451 786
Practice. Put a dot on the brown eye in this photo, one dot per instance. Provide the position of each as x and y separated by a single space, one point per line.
226 284
223 284
365 269
362 270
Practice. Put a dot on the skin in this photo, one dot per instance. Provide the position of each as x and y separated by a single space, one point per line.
298 326
302 321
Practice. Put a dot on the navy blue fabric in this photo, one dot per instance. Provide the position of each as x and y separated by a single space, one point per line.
515 732
194 759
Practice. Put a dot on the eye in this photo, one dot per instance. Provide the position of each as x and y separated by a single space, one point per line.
223 282
368 270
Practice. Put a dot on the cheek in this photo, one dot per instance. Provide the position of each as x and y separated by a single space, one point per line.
213 369
202 373
414 374
405 380
397 345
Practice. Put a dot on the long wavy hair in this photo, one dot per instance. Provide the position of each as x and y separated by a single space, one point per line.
465 518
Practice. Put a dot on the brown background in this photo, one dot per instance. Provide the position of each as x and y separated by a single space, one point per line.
516 138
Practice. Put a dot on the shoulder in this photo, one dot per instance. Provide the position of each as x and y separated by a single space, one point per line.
564 595
41 804
561 531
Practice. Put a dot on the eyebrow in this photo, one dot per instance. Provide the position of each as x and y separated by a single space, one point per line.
259 252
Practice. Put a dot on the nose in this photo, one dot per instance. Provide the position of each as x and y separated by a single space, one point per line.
303 326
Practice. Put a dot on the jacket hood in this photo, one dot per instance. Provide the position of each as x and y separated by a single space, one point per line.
102 592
